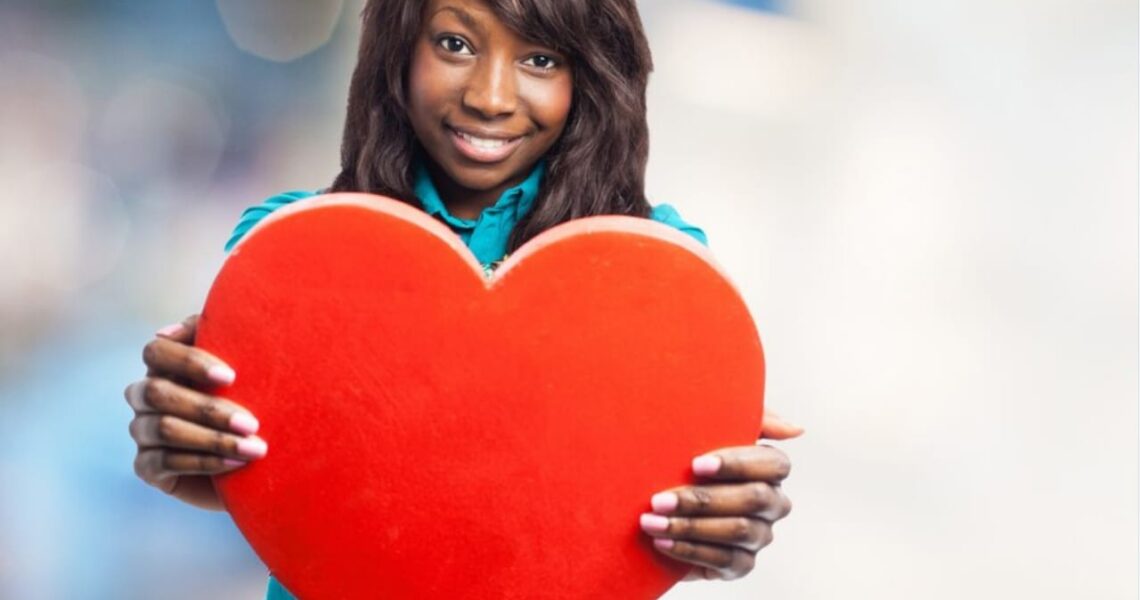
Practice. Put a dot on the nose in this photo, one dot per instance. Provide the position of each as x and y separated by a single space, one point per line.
491 89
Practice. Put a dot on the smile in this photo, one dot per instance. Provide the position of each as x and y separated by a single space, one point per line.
484 149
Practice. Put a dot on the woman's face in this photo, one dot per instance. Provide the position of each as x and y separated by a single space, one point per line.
485 103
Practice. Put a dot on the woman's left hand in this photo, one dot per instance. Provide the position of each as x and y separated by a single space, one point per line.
720 526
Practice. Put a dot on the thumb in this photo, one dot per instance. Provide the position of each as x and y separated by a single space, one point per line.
776 428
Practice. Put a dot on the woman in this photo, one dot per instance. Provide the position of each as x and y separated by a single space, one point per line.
502 119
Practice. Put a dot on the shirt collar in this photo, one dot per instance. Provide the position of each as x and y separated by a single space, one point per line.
515 201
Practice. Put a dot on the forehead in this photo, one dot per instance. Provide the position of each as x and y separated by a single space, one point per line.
519 23
470 12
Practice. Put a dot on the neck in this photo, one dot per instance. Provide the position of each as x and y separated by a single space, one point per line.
465 203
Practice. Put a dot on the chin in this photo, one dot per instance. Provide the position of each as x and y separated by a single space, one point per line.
481 180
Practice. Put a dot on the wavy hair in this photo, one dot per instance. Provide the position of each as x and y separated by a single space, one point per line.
597 167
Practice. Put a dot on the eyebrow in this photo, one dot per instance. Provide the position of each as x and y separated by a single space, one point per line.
463 16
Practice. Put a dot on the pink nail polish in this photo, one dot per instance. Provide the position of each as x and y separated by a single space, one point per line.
232 462
654 523
221 374
665 502
170 330
706 465
252 447
244 423
663 543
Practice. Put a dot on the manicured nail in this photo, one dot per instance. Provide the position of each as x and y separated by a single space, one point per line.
665 502
663 543
221 374
233 462
170 330
706 465
252 447
654 523
244 423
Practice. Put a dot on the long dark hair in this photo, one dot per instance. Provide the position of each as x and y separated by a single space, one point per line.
597 167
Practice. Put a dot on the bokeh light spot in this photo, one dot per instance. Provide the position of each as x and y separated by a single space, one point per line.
154 128
280 30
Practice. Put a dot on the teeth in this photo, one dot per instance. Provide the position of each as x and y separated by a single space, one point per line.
481 143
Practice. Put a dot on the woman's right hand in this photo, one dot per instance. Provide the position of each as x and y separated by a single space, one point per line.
184 434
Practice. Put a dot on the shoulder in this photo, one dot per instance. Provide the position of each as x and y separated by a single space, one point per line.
254 214
667 215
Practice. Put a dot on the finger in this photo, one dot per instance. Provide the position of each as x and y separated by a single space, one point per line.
162 468
182 332
701 574
174 360
155 394
744 463
749 533
757 499
727 562
199 490
166 431
773 427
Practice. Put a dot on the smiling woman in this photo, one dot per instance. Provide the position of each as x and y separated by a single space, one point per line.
485 103
573 88
502 119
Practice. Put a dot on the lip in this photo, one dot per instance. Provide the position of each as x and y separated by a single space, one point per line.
480 154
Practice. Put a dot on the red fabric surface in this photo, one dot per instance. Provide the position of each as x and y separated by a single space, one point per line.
434 433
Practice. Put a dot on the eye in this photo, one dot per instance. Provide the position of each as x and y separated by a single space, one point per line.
454 45
541 61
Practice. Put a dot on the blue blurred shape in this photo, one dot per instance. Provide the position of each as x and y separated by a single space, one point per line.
75 521
775 6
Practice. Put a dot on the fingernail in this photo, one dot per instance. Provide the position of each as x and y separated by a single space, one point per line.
706 465
244 423
663 543
170 330
654 523
221 374
253 447
232 462
783 420
665 502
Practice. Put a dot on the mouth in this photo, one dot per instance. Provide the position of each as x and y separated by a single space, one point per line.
485 147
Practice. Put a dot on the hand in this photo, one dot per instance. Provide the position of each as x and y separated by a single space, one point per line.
719 527
185 435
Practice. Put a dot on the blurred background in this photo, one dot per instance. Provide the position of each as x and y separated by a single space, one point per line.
931 208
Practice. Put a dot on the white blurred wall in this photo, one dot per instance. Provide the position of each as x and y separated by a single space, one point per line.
932 210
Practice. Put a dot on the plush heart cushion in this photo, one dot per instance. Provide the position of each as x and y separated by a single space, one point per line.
434 433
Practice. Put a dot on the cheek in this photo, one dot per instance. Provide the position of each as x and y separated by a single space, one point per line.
427 84
550 102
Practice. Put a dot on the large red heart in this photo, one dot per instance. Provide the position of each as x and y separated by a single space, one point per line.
434 433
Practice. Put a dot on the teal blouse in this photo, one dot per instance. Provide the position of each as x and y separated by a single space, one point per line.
486 236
